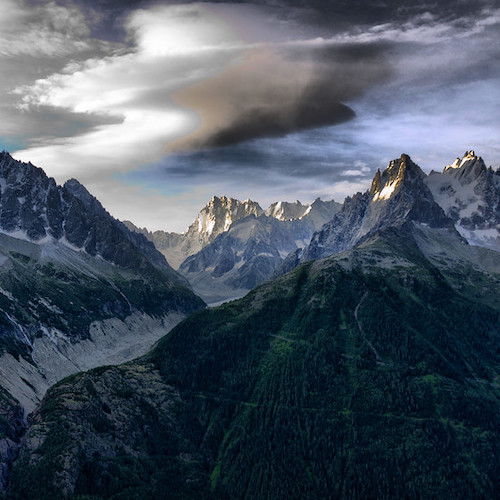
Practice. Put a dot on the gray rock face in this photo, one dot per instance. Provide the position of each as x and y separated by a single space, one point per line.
342 232
113 232
31 203
401 194
12 428
242 256
218 215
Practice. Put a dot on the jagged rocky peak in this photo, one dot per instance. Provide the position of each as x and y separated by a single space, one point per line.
400 171
287 211
284 210
30 201
376 186
248 252
80 191
459 162
397 195
402 185
467 169
220 212
34 208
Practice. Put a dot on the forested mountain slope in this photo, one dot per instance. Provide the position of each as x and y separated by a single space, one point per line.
370 374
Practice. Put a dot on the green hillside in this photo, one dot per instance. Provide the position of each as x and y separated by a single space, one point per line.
365 375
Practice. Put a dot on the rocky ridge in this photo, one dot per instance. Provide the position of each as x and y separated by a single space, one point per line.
213 219
68 269
465 196
234 245
252 248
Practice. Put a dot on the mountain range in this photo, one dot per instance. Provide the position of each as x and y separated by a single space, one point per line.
368 367
216 217
233 246
465 196
68 271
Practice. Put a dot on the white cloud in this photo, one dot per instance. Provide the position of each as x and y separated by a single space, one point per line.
424 29
360 169
48 29
179 29
351 173
175 48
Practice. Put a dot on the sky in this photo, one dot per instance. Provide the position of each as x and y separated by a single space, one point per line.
156 106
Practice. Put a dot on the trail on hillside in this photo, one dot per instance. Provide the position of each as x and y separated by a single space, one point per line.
360 328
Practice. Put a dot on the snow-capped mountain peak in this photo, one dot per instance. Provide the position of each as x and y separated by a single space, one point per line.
469 156
469 194
466 169
318 209
284 210
398 194
456 164
218 215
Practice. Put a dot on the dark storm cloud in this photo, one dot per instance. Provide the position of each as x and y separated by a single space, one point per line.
273 92
321 154
245 160
330 15
313 110
380 11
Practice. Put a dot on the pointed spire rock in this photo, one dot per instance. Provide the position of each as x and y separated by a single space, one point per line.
376 183
400 171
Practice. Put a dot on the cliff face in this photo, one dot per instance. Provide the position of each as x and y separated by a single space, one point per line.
12 428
